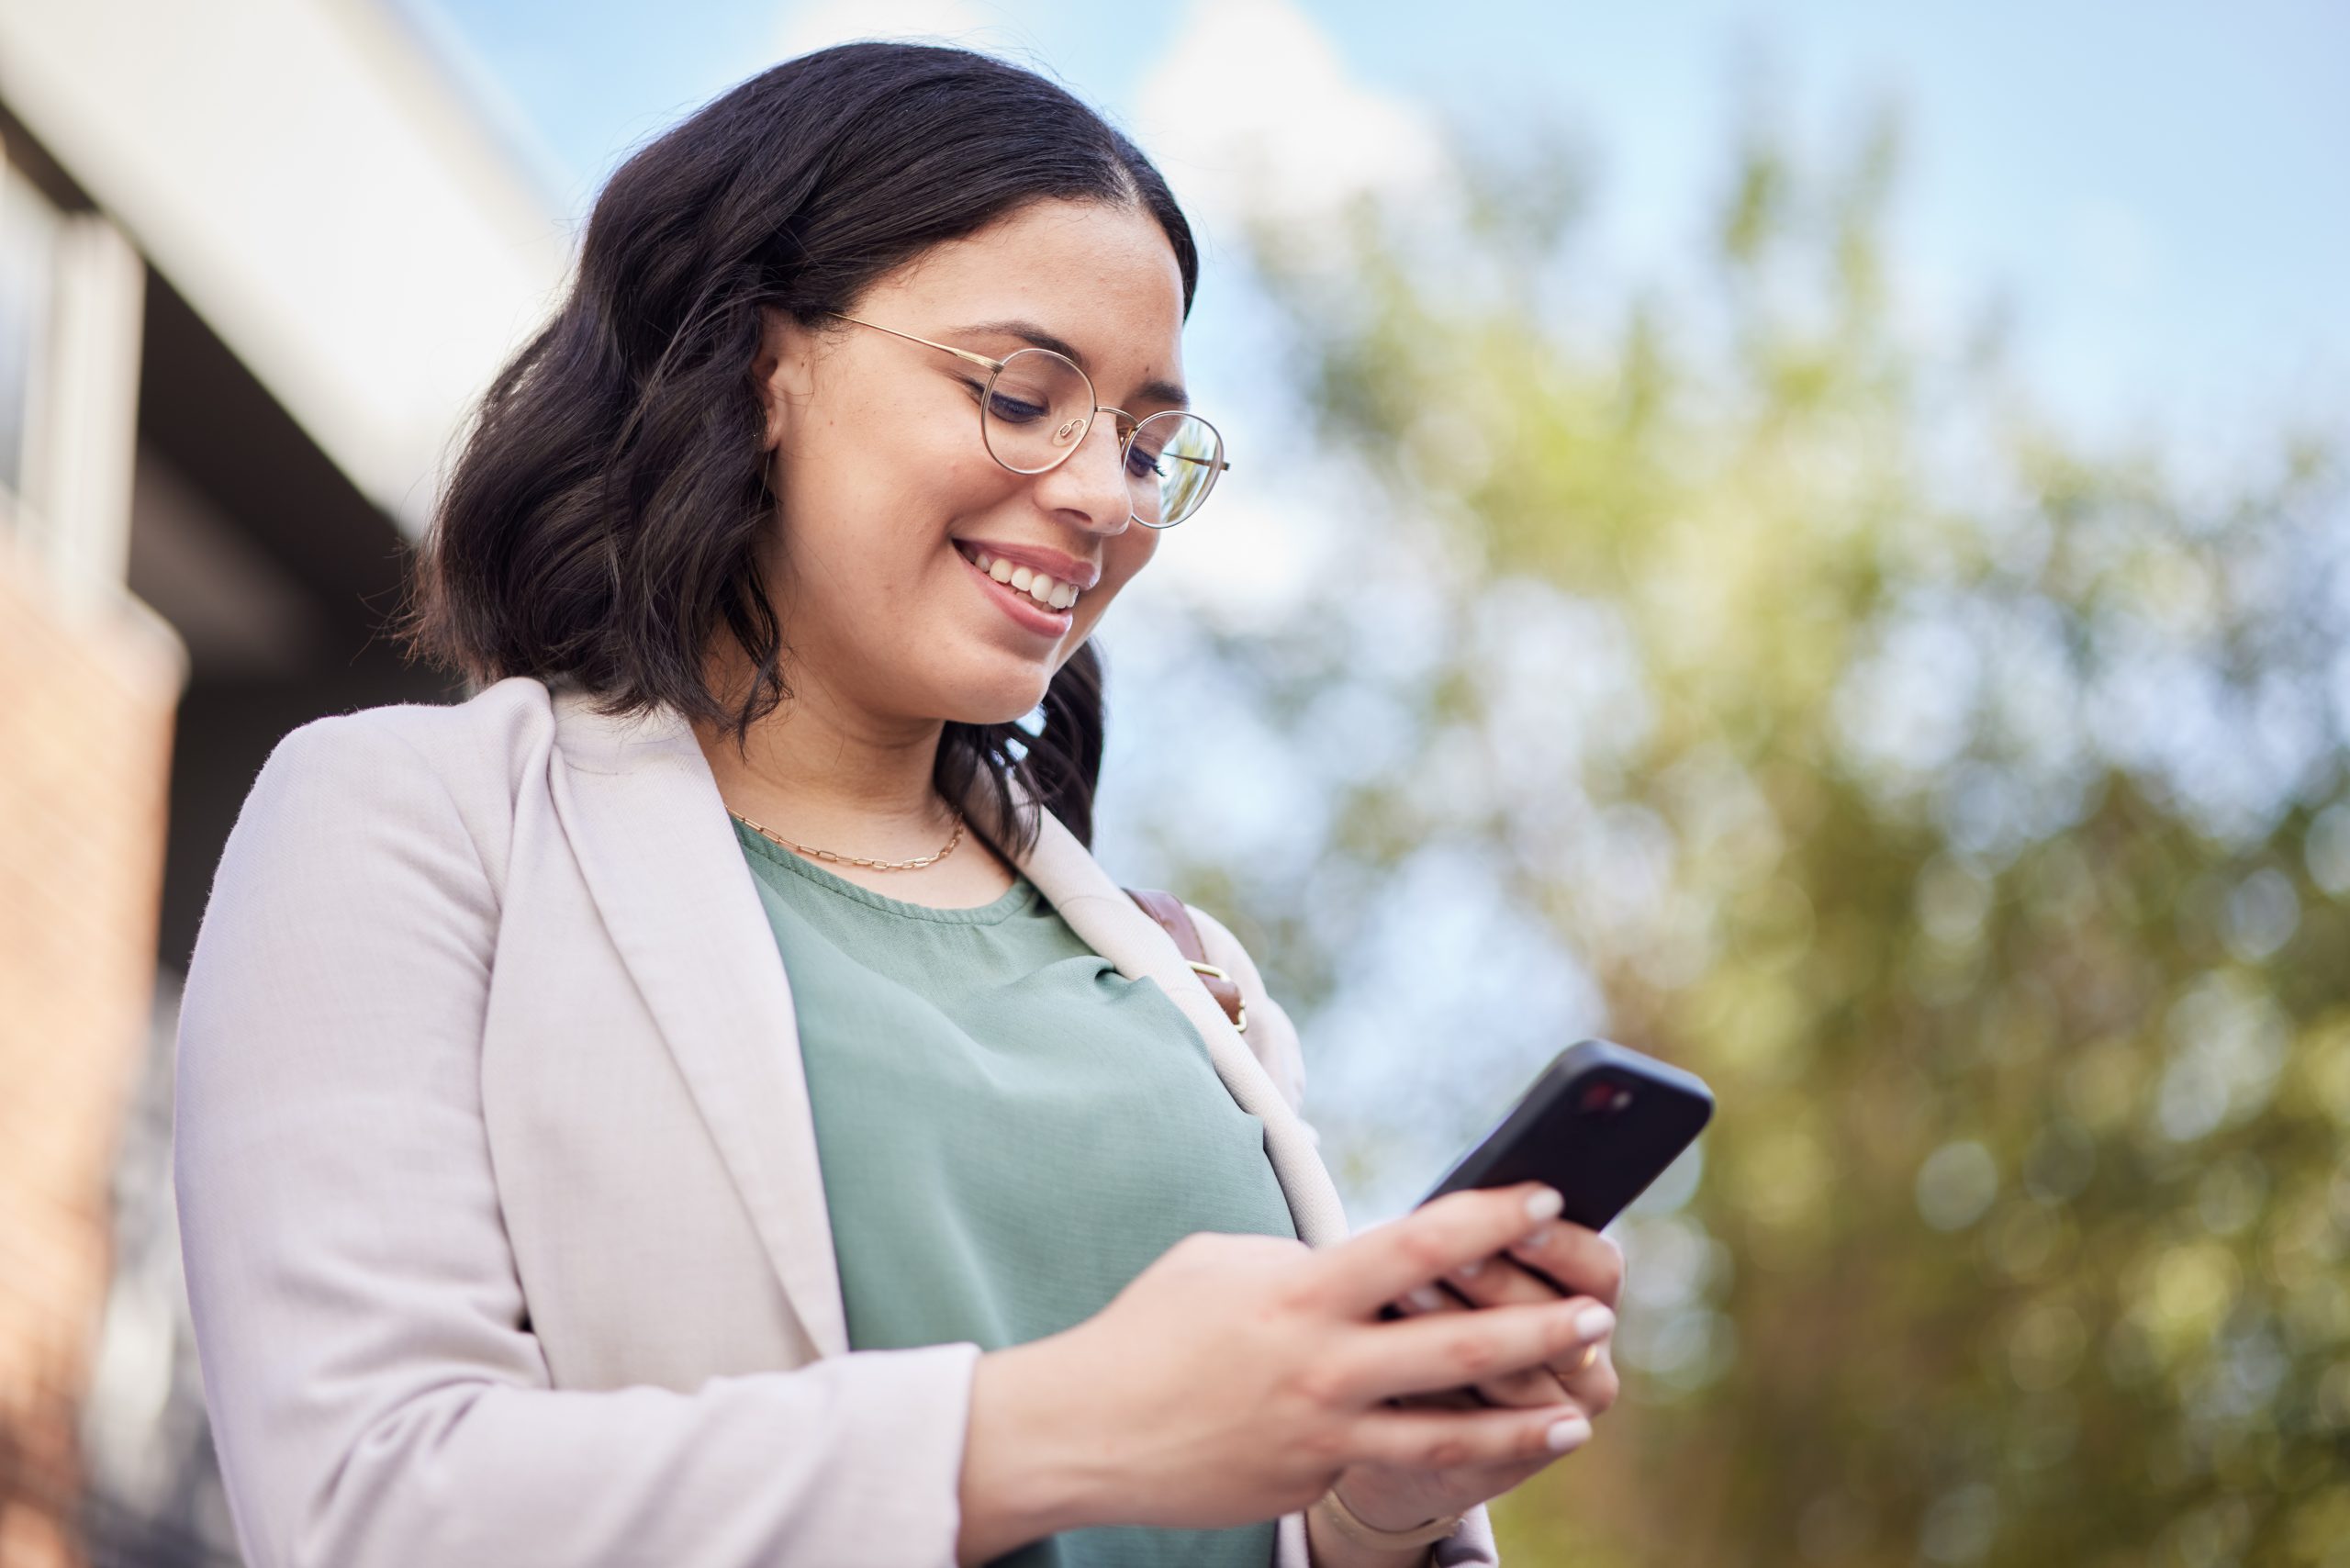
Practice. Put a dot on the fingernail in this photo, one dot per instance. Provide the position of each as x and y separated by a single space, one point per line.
1538 1237
1544 1203
1572 1432
1426 1300
1470 1271
1594 1321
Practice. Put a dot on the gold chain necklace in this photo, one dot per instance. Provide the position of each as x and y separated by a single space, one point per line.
854 859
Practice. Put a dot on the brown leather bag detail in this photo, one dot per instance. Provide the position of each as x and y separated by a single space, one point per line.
1168 910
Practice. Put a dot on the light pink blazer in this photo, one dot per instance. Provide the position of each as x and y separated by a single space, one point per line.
505 1236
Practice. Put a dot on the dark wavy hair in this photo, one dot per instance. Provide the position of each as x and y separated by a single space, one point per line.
602 520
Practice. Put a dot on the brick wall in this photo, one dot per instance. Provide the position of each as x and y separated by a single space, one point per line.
86 705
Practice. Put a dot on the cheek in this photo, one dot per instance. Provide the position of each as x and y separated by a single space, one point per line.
1124 559
902 459
1129 553
880 513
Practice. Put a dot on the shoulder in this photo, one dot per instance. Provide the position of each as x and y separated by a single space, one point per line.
452 770
467 750
441 735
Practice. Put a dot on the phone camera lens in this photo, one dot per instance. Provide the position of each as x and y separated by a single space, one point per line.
1603 1096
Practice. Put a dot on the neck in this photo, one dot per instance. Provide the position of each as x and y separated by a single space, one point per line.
827 773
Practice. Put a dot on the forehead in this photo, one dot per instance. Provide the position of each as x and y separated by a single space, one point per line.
1103 276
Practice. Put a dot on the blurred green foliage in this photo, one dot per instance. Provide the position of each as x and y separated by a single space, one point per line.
1968 807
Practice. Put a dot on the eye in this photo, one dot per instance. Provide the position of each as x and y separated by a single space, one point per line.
1014 410
1006 406
1147 454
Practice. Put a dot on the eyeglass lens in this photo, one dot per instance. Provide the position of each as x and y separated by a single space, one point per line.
1040 406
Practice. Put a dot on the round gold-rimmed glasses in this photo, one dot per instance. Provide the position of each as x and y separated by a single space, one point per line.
1037 407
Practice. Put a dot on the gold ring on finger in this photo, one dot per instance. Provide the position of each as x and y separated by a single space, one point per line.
1590 1354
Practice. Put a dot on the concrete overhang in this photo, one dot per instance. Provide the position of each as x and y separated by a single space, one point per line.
313 184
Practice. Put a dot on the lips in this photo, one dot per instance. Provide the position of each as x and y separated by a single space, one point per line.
1023 610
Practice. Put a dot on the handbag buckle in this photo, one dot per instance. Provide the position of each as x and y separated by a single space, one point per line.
1240 1022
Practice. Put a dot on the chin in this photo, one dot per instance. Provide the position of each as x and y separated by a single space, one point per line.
998 702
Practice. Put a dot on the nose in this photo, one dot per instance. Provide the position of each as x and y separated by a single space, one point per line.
1092 481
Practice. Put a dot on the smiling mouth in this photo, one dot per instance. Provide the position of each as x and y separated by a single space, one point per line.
1048 593
1038 619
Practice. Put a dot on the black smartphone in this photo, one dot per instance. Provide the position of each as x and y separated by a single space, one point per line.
1600 1124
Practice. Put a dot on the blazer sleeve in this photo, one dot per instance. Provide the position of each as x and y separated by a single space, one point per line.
377 1397
1274 1038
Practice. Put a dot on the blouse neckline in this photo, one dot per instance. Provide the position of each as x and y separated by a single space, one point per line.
1014 901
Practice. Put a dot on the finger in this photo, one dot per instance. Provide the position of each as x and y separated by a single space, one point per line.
1574 1259
1498 1281
1439 1236
1590 1383
1429 1440
1530 1386
1593 1385
1436 1351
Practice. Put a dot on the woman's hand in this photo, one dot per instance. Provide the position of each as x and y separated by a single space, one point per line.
1560 1261
1237 1377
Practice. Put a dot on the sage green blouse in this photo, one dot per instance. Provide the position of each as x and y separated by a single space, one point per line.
1010 1130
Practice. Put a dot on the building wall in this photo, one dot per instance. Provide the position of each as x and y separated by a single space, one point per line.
86 703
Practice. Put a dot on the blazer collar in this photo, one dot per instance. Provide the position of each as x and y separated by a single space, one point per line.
659 855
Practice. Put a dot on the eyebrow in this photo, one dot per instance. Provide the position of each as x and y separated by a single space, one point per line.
1028 332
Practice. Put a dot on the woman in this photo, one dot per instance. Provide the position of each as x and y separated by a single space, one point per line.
697 1101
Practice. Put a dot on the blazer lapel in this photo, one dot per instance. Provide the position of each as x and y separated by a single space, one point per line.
660 859
658 853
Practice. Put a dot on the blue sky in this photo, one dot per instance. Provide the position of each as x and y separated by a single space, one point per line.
2161 190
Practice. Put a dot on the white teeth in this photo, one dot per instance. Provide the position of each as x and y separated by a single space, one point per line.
1046 591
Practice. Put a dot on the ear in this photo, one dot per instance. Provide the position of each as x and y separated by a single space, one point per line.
779 370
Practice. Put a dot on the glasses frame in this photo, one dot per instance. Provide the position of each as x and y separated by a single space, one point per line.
995 368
